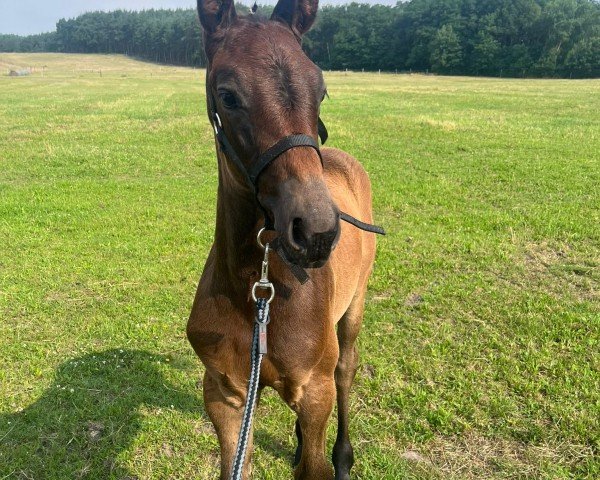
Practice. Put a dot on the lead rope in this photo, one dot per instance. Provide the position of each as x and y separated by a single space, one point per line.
258 350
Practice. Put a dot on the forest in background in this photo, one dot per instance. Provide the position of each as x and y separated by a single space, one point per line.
516 38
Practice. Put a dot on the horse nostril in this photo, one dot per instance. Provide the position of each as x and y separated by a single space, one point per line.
298 236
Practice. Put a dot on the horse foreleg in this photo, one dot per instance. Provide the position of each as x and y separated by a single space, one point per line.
313 410
348 328
225 408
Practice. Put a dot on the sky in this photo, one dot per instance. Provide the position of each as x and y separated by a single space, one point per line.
25 17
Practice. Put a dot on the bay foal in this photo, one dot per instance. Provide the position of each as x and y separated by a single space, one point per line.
263 88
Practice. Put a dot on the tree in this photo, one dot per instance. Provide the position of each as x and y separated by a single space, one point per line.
473 37
582 59
486 55
446 51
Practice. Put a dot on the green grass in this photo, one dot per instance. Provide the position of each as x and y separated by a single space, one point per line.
480 348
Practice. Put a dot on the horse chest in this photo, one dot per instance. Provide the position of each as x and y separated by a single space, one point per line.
297 336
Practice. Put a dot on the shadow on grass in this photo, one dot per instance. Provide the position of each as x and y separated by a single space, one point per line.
92 412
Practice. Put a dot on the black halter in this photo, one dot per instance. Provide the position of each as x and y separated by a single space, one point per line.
264 160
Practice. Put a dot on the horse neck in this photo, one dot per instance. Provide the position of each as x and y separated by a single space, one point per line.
237 218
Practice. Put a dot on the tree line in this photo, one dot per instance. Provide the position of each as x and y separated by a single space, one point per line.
519 38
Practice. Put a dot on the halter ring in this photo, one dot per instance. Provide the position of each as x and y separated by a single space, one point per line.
266 286
260 232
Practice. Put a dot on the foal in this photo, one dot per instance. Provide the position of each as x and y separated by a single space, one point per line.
262 88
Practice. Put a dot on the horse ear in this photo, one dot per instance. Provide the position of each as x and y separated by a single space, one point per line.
298 14
216 14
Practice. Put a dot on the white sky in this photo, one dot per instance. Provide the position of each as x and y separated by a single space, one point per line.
24 17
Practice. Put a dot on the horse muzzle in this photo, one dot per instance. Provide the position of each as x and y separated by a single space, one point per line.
307 248
307 220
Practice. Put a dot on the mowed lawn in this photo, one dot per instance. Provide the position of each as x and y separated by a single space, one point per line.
480 353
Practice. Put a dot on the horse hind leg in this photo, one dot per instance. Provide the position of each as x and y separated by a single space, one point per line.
298 453
347 331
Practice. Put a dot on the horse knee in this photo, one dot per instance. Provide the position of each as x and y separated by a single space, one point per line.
314 409
346 367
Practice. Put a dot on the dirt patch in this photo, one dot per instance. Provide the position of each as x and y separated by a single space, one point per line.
540 256
94 431
557 269
368 371
473 456
167 450
413 456
413 300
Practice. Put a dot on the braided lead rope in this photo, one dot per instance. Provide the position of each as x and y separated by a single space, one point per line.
257 352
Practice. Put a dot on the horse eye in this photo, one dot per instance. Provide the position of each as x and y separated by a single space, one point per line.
325 94
229 100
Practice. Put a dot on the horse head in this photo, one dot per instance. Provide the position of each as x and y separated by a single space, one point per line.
261 90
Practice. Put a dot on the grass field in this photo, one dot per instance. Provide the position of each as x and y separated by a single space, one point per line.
480 350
